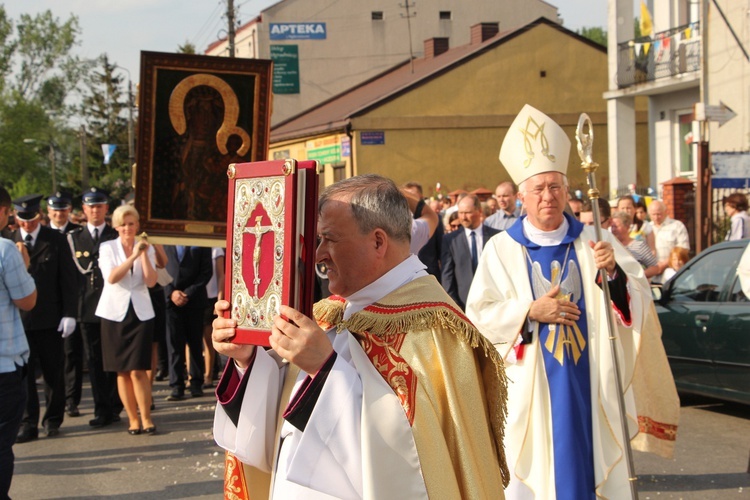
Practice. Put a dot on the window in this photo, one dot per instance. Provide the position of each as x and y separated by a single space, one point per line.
339 171
737 294
377 15
445 15
704 280
685 137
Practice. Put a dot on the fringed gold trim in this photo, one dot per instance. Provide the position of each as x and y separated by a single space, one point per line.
398 313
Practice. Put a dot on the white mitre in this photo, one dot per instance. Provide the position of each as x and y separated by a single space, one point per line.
533 145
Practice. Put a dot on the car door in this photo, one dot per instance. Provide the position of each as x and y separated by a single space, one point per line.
730 331
690 303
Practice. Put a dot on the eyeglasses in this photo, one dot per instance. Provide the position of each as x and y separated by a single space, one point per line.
539 190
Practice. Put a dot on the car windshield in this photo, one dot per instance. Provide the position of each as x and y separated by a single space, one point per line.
705 279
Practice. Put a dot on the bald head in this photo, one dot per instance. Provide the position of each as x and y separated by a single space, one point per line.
658 212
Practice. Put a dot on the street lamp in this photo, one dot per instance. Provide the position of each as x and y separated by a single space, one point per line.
52 156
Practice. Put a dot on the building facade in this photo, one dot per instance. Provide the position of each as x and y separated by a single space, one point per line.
322 49
696 53
443 120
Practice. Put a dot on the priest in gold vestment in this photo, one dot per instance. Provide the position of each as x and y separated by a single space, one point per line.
390 392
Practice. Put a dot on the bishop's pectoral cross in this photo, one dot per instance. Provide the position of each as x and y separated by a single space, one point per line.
258 231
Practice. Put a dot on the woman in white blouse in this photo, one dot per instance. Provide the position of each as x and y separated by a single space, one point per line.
128 268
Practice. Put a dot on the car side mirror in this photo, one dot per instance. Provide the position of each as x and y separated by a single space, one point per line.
656 292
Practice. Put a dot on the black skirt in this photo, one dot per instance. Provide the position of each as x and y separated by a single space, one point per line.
126 345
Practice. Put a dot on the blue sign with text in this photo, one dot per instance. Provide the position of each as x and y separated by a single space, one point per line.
298 31
373 138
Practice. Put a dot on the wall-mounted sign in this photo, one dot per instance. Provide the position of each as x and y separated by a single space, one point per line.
285 69
346 147
298 31
325 155
372 138
731 170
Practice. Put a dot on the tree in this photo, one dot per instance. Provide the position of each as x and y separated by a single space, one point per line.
46 67
7 47
187 48
595 34
25 134
105 106
37 75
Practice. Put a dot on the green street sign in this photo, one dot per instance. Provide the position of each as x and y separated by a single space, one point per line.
285 69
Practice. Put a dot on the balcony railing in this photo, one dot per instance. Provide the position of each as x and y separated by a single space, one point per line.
663 55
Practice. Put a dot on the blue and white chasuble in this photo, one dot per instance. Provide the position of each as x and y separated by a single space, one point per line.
566 362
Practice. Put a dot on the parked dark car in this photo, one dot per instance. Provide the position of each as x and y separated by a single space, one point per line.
705 318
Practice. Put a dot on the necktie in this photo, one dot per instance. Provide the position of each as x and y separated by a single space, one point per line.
180 252
474 258
28 242
96 235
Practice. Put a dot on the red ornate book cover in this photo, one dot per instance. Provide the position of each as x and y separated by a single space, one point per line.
271 240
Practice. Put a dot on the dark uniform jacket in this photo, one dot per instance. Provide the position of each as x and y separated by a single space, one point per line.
91 282
56 282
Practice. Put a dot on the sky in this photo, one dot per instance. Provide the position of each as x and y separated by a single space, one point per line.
122 28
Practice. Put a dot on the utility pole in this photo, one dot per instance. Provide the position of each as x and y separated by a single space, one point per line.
230 30
703 215
84 163
408 17
131 135
52 156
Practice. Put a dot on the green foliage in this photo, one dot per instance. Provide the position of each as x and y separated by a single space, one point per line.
43 49
187 48
7 47
595 34
24 142
39 120
105 106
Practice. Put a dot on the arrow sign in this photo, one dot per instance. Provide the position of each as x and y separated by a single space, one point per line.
721 113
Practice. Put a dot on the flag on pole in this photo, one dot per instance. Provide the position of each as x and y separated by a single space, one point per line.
647 25
108 150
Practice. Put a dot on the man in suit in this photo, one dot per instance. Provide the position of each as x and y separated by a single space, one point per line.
58 211
84 243
51 320
191 268
462 248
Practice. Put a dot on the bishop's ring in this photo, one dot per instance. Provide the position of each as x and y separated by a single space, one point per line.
562 314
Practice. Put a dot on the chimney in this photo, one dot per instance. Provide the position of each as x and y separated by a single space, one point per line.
433 47
483 31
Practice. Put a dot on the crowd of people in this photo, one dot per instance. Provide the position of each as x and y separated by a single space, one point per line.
399 383
100 291
497 383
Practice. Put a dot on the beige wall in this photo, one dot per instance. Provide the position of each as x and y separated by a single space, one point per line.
358 48
469 110
729 76
299 151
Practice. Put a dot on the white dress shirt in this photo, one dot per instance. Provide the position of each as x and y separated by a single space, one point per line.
478 231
